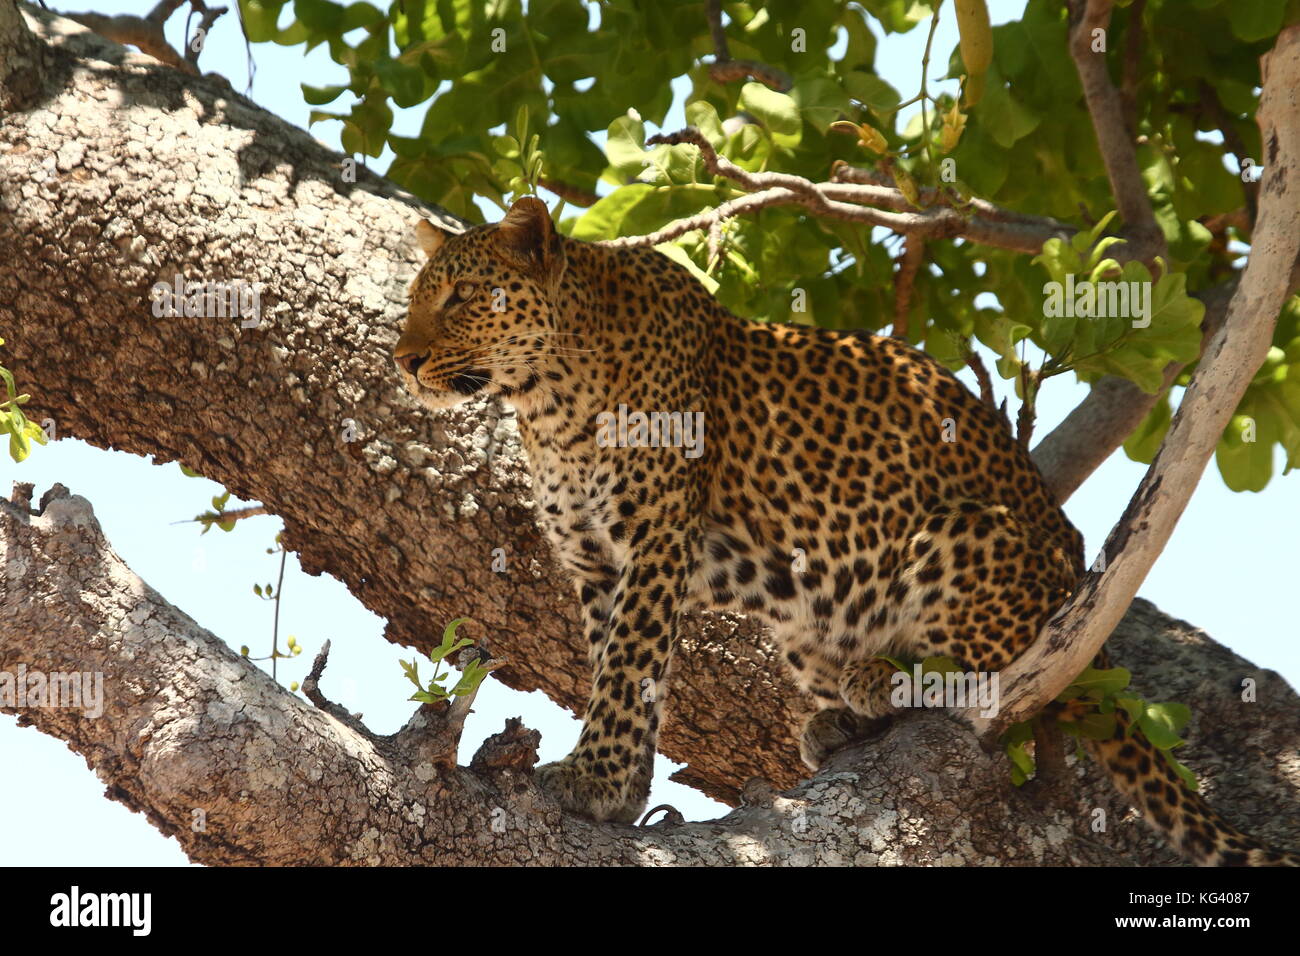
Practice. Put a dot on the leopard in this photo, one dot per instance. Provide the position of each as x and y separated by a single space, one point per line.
844 487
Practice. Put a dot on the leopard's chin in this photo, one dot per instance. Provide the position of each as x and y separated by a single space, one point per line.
434 399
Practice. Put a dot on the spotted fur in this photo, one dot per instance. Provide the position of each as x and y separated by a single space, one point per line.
851 492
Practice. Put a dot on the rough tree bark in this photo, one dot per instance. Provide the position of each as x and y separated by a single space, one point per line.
189 726
117 173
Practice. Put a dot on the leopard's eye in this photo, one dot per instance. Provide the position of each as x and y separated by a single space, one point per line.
462 291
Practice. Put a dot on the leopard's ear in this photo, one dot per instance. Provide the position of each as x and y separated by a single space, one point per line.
430 236
528 235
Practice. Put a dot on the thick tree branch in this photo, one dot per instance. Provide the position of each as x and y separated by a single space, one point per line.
1231 358
305 412
240 771
302 410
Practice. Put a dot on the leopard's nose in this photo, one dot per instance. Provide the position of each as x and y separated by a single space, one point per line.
412 363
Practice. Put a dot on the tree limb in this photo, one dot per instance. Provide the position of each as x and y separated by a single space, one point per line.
904 279
1106 107
406 512
240 771
306 413
1077 632
146 33
839 199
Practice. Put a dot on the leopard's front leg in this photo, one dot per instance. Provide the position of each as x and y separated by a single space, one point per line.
607 776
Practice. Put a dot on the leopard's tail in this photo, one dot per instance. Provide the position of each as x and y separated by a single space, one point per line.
1142 774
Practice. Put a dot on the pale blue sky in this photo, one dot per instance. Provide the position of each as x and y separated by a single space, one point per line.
1229 568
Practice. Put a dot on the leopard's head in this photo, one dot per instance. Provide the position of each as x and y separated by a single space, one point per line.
481 319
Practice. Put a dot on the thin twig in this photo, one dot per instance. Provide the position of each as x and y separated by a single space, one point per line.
904 279
209 16
275 627
1106 108
840 200
217 517
976 365
726 70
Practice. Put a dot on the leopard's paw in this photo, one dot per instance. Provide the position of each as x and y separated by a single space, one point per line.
828 730
579 791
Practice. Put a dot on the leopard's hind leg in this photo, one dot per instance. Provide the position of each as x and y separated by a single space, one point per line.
975 584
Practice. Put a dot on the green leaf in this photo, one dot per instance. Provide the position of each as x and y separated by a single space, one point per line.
320 95
999 333
259 18
360 15
1187 776
1256 19
1094 726
405 83
703 116
1096 684
679 255
776 111
1161 723
321 16
820 100
1002 113
19 445
871 91
898 663
625 147
1145 440
1246 465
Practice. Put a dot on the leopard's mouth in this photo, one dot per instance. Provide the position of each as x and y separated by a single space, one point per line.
469 381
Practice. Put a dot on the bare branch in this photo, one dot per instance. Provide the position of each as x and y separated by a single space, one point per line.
143 33
976 365
217 517
209 16
838 200
727 70
908 264
1106 107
